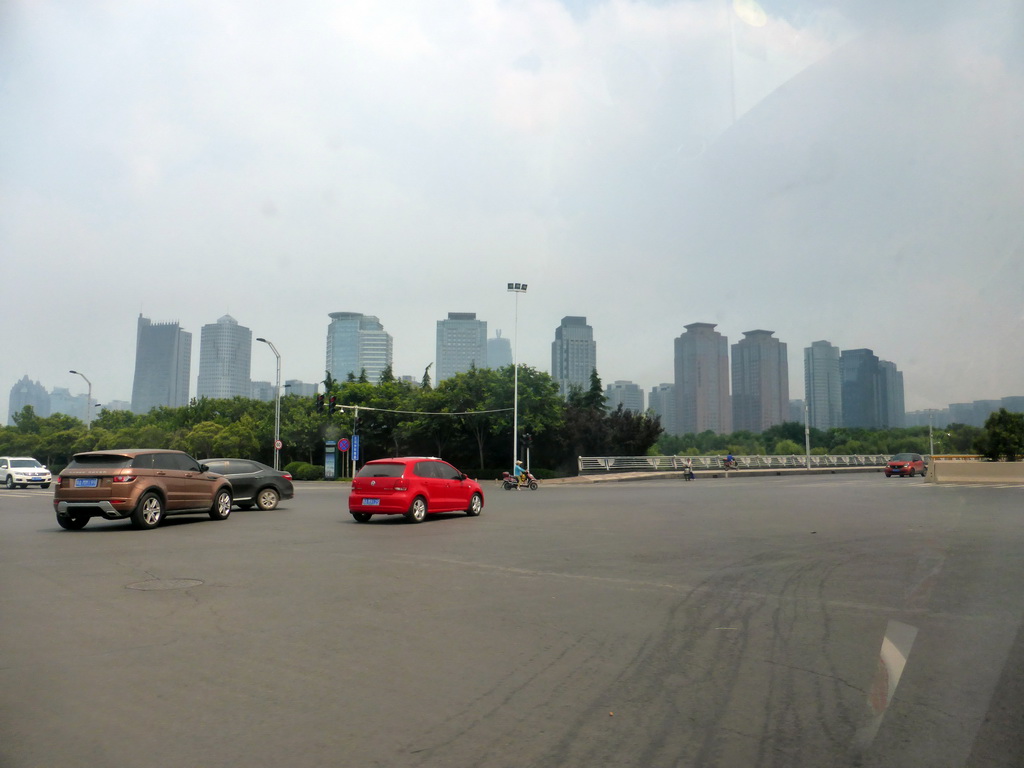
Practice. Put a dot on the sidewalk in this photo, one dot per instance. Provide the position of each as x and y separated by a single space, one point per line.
716 474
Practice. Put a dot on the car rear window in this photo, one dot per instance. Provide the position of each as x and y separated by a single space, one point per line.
381 470
100 462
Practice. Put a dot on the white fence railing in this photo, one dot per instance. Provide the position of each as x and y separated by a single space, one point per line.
592 464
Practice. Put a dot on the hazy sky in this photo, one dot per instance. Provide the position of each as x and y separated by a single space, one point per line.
827 170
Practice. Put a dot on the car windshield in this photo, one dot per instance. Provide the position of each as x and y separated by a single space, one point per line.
25 463
903 457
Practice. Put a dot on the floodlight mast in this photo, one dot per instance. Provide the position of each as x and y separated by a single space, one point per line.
516 288
277 405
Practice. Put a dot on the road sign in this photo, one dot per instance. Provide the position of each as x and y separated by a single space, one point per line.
343 444
355 447
278 445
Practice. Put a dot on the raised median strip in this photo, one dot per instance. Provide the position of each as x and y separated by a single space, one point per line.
1001 472
709 474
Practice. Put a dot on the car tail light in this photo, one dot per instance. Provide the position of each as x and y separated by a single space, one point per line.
287 477
124 478
401 487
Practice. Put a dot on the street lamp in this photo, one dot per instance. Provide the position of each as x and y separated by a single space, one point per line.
277 405
515 288
88 402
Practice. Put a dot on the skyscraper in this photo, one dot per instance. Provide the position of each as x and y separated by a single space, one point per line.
357 343
499 351
461 344
702 380
861 396
823 385
624 393
27 392
573 354
163 363
760 382
225 353
891 407
662 400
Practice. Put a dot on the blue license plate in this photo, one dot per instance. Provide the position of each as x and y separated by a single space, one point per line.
85 482
35 479
371 502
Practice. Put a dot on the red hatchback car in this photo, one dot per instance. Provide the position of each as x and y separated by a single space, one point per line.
414 486
906 465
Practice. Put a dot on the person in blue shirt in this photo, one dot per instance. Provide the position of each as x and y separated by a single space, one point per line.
730 462
520 473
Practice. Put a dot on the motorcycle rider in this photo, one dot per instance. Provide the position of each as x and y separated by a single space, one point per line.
520 474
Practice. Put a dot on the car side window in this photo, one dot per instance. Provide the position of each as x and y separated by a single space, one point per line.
143 461
3 463
446 471
425 469
185 463
164 461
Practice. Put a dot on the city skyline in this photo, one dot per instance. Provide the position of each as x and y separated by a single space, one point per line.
624 159
178 329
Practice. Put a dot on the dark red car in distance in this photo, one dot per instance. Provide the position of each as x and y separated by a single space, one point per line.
906 465
414 486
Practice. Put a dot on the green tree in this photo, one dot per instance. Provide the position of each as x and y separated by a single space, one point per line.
1003 437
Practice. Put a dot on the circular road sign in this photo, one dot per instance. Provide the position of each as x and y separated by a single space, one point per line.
278 444
343 444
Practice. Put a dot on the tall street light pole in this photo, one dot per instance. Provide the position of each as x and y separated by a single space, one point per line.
88 402
277 405
515 288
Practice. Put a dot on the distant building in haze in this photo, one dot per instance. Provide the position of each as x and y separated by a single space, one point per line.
823 385
624 393
225 357
262 390
357 343
163 361
892 411
873 394
760 382
27 392
702 380
573 354
300 388
499 351
461 344
661 400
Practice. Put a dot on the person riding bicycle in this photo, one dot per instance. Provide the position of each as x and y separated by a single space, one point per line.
730 462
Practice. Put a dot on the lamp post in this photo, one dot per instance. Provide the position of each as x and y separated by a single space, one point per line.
807 436
515 288
277 404
88 401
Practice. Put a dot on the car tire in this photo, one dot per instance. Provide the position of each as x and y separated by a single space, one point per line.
72 522
267 499
362 517
221 505
417 510
9 483
476 505
911 472
148 512
45 485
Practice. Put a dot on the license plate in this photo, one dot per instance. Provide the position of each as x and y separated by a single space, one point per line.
35 479
85 482
371 502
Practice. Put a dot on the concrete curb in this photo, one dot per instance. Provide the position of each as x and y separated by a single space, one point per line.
625 477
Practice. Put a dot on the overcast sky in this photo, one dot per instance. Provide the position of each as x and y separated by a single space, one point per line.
826 170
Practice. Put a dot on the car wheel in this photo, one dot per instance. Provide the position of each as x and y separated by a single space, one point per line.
362 517
45 485
267 499
221 505
9 483
148 512
911 473
72 522
476 504
417 510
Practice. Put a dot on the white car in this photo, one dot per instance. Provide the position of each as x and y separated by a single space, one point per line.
23 471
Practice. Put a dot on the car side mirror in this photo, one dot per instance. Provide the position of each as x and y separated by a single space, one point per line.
463 476
204 468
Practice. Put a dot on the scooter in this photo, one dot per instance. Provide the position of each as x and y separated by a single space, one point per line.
508 481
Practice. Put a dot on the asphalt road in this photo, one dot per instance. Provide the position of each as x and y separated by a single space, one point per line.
782 621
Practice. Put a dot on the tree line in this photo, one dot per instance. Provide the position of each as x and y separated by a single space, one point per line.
466 419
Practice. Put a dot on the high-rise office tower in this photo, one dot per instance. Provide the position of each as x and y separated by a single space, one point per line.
573 354
163 363
499 351
357 343
27 392
823 385
702 380
624 393
662 401
461 344
861 381
892 411
225 354
760 382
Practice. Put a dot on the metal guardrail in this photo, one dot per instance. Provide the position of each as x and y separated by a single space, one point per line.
592 464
